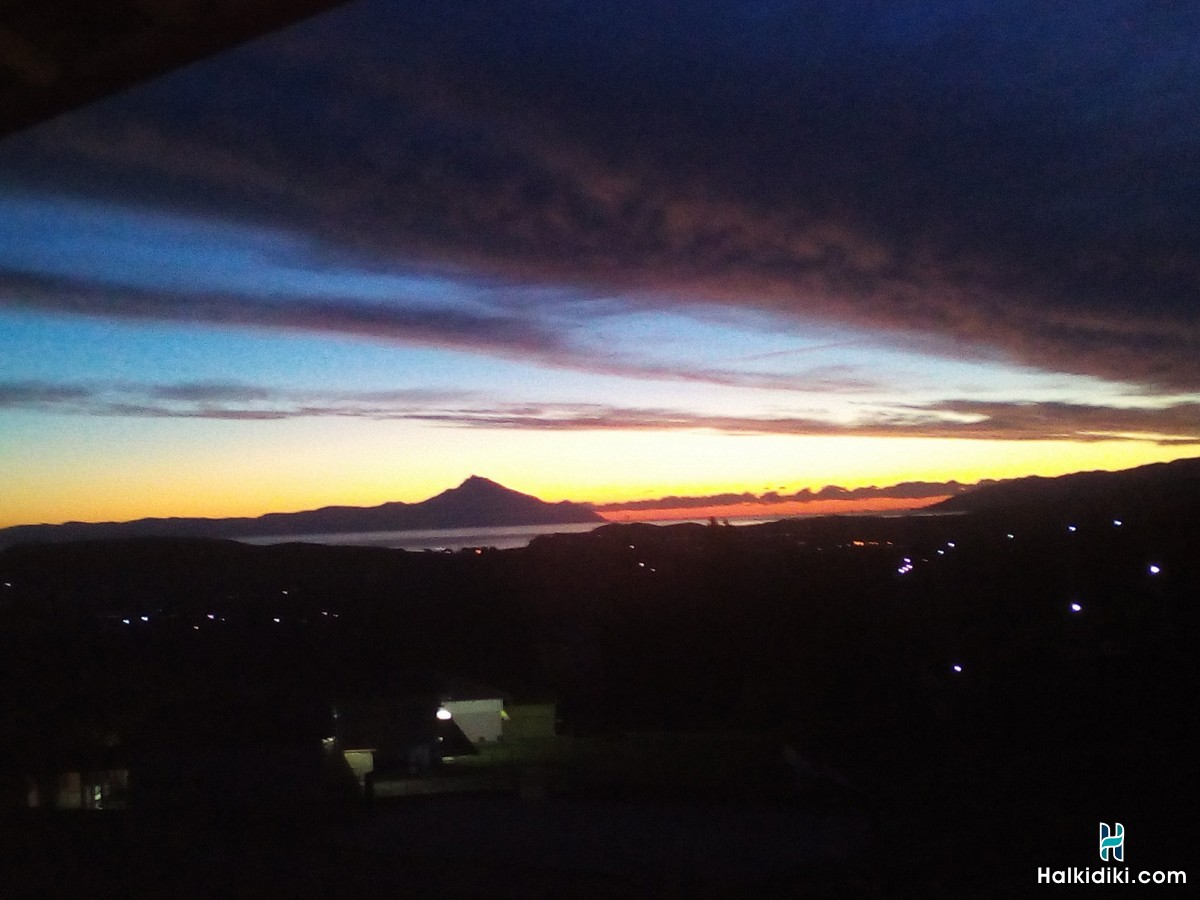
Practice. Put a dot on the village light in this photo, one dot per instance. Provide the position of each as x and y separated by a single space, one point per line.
956 667
1075 607
444 714
1153 569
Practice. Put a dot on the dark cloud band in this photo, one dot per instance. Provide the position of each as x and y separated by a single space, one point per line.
519 334
1008 178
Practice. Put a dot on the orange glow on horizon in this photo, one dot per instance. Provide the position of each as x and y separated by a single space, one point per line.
112 471
779 510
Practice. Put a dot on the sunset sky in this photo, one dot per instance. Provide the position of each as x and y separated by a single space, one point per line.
608 252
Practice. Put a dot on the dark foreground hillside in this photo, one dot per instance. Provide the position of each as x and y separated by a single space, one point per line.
956 701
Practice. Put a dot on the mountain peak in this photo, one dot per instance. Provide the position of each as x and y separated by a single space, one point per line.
476 486
477 502
478 481
482 501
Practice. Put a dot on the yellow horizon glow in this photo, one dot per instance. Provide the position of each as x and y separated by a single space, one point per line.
224 470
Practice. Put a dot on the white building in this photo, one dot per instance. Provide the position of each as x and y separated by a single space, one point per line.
480 720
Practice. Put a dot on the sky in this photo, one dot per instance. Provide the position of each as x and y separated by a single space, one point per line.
609 253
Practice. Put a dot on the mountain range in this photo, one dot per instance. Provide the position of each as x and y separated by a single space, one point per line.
1157 486
477 502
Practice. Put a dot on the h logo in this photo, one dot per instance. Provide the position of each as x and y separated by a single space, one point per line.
1113 841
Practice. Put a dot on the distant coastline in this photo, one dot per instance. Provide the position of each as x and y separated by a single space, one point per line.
499 538
768 512
480 512
476 503
516 536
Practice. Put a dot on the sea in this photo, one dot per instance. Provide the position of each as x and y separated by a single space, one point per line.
505 538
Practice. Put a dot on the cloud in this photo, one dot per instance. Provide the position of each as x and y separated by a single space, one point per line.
909 490
966 419
26 394
1013 180
1077 421
218 400
210 392
951 419
519 334
449 327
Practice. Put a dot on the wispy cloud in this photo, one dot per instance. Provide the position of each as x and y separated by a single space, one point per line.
14 394
1003 422
449 327
1178 422
972 420
218 400
519 334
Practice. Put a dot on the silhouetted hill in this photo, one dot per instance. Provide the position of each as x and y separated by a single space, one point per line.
1159 486
477 502
953 677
